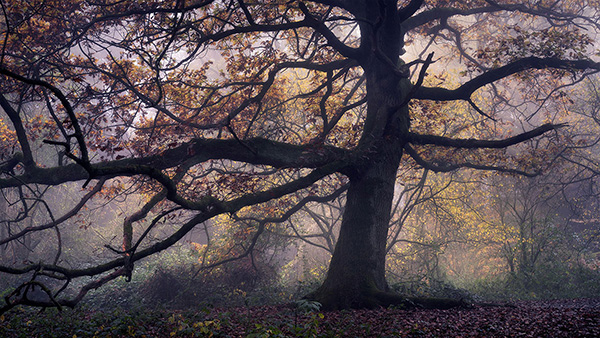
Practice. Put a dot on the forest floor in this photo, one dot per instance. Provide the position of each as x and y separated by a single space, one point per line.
554 318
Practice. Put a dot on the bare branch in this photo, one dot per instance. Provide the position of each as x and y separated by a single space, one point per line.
263 222
410 9
60 220
320 26
475 143
455 166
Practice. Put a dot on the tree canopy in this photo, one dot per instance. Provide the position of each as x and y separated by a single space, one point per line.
256 109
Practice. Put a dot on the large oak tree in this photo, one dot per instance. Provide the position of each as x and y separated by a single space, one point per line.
254 109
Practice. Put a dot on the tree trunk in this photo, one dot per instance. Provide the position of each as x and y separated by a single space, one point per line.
356 276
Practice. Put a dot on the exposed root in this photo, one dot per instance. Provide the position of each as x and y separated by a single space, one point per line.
337 300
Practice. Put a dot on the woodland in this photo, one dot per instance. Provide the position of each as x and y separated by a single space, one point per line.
299 168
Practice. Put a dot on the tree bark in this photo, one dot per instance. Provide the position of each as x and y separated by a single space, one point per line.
356 276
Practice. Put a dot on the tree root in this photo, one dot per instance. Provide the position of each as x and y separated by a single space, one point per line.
337 301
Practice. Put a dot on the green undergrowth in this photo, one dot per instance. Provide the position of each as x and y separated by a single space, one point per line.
574 318
299 319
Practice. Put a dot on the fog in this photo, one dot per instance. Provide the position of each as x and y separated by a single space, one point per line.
206 155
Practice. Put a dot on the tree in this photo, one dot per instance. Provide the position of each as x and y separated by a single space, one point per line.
298 98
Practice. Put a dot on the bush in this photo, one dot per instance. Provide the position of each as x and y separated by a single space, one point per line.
548 281
173 280
430 288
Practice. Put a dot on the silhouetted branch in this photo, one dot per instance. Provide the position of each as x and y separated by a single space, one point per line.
60 220
475 143
264 221
84 160
465 91
448 167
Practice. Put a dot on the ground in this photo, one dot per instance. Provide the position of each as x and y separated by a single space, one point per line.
555 318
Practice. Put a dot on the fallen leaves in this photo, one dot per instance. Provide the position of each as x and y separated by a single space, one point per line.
557 318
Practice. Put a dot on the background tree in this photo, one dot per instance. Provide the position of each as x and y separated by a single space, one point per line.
230 107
